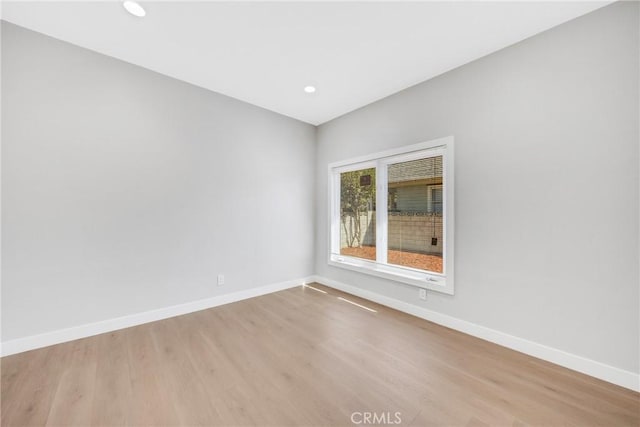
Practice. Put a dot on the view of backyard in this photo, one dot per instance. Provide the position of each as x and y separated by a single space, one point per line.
414 223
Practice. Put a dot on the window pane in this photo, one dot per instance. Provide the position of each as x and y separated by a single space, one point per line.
357 213
415 233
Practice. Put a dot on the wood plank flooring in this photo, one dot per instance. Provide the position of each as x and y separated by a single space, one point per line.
299 357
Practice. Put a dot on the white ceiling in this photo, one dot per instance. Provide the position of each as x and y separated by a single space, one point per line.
265 53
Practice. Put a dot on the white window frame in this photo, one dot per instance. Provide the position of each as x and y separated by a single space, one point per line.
419 278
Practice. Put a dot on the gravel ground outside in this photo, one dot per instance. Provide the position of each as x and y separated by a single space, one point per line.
407 259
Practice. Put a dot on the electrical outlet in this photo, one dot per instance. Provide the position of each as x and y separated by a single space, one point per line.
423 294
220 279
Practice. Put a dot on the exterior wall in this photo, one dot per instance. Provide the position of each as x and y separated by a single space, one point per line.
414 198
413 232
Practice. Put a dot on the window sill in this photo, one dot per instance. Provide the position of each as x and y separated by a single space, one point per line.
430 281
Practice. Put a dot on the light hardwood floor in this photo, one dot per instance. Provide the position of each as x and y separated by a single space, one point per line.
299 357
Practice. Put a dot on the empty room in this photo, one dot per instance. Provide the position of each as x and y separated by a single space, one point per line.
323 213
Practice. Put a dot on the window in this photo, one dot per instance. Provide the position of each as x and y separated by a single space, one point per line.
435 199
357 213
410 238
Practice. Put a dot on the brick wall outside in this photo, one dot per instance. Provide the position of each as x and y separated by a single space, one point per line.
413 232
408 231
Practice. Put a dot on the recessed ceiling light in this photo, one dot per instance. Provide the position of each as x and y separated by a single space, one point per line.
309 89
134 8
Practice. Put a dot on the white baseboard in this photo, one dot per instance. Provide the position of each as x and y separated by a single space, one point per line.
581 364
90 329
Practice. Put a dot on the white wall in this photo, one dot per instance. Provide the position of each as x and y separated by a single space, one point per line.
546 135
124 190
